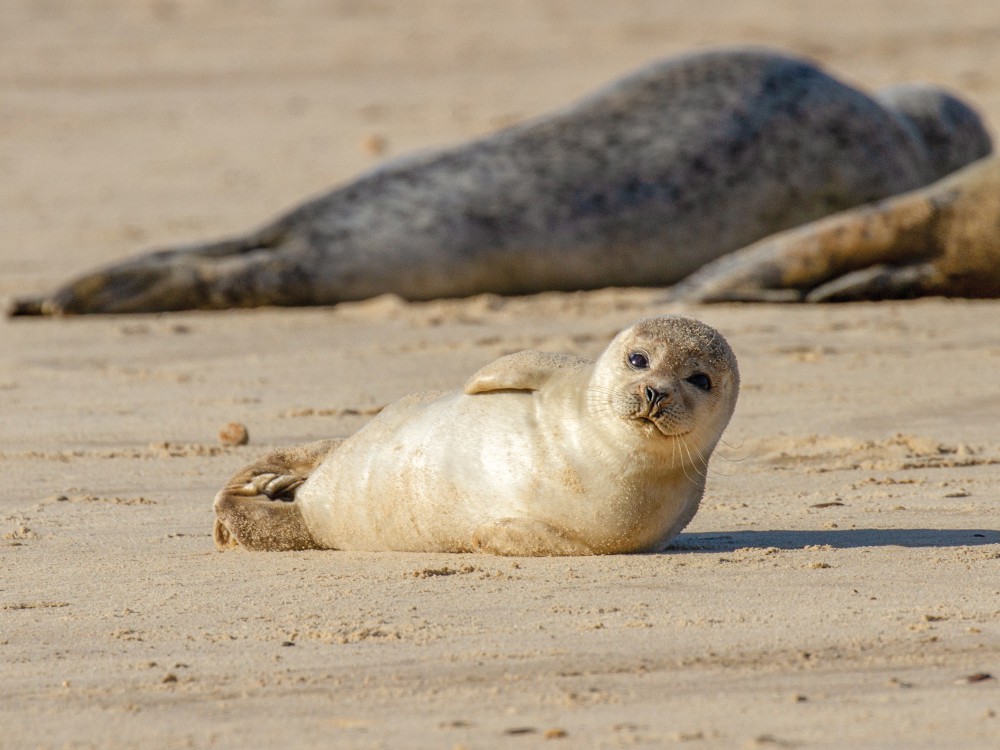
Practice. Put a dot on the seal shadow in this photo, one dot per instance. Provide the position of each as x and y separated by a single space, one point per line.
790 539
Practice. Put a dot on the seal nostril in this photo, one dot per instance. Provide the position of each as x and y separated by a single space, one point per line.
653 396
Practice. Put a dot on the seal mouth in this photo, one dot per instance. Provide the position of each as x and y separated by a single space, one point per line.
662 429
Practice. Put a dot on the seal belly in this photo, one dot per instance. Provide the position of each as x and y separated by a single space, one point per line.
424 474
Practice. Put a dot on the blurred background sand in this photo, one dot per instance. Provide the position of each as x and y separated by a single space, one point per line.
838 587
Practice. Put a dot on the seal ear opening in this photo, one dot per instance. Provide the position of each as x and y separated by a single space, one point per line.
527 370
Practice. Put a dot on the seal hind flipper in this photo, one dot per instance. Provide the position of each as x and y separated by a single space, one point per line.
255 270
526 370
256 509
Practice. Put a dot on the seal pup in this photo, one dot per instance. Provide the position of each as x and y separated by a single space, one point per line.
943 240
540 454
638 184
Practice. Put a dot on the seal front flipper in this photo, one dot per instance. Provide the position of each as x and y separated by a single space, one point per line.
256 509
943 239
787 266
525 537
527 370
879 283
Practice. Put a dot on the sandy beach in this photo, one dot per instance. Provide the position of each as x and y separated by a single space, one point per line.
840 586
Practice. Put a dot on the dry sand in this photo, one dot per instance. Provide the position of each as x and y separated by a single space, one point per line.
839 587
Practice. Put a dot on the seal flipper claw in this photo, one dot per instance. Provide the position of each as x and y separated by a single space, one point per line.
257 509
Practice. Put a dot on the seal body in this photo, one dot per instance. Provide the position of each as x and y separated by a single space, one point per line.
540 454
943 239
639 184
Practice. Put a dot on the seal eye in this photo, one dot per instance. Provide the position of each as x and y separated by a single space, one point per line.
701 381
638 360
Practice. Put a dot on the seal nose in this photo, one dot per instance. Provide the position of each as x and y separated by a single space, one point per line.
654 396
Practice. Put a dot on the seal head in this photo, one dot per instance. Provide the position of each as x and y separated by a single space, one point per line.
670 375
952 132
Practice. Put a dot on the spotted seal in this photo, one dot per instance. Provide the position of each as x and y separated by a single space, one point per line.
540 454
641 183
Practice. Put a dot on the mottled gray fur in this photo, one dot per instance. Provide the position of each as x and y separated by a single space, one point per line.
641 183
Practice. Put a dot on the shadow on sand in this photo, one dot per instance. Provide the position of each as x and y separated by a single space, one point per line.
837 538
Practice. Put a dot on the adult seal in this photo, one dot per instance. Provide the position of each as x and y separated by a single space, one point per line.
541 454
941 240
640 183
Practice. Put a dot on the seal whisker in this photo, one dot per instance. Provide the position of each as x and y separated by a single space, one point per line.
709 467
690 462
735 459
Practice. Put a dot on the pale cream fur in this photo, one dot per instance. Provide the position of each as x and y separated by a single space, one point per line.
542 454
